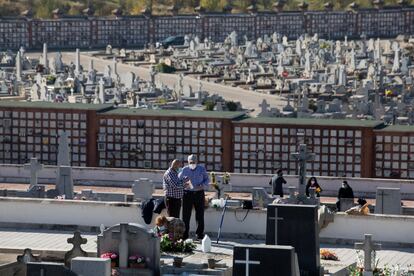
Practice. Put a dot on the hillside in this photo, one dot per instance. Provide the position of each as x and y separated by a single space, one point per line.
43 8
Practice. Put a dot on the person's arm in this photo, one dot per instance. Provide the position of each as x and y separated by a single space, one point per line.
283 180
206 179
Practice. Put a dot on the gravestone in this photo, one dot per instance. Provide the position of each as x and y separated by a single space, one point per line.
48 269
260 198
27 257
34 166
297 226
63 157
131 239
368 246
143 189
388 201
265 260
346 204
64 184
76 250
87 266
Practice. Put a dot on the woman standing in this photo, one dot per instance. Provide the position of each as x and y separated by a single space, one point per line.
313 183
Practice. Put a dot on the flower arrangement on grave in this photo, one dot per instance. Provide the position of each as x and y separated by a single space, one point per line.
167 244
328 255
113 256
136 261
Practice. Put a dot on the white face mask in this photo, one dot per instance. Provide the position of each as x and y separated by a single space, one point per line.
193 166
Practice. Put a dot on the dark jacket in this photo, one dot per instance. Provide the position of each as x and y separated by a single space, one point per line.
345 192
277 185
147 208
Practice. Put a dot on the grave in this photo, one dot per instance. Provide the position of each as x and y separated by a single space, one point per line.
34 166
48 269
262 260
388 201
297 226
76 250
143 189
87 266
260 198
368 246
302 156
128 240
64 185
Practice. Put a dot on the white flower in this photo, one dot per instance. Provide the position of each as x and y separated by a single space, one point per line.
188 241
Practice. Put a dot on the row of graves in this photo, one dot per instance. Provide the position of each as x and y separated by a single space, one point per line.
291 248
360 79
49 79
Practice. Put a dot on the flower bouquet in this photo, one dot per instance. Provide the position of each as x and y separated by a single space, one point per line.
136 261
113 256
328 255
167 244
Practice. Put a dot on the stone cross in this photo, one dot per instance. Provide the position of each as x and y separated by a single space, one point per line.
302 156
76 250
276 219
123 235
264 106
368 246
63 150
34 168
247 262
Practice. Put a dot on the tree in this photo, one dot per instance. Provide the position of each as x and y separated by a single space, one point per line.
231 106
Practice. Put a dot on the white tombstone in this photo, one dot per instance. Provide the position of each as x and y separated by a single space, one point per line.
101 95
88 266
44 56
143 189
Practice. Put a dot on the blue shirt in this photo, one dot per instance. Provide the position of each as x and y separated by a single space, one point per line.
198 176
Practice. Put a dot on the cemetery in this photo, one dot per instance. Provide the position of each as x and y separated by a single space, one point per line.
96 117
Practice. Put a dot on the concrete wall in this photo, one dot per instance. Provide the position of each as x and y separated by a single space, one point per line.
86 213
241 182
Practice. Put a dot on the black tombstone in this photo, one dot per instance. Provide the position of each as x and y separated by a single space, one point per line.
297 226
48 269
264 260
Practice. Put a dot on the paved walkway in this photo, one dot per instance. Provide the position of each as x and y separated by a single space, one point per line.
52 241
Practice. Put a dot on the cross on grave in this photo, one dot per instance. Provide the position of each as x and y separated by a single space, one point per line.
276 219
63 150
247 262
367 246
76 250
264 106
123 235
302 156
34 168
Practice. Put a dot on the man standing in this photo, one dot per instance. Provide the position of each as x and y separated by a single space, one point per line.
277 182
173 189
194 195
